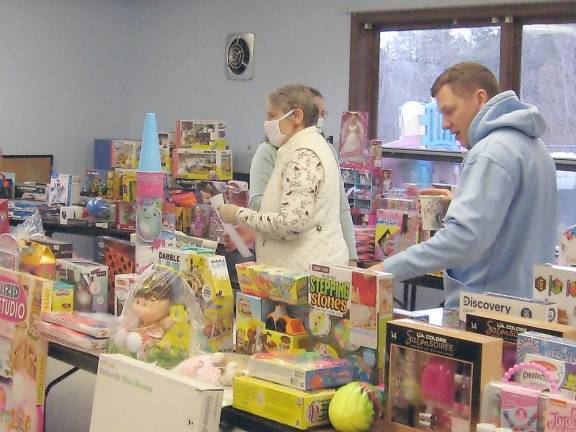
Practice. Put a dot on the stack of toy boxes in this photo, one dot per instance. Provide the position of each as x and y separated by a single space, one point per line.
208 277
271 311
557 284
349 308
201 151
90 280
120 258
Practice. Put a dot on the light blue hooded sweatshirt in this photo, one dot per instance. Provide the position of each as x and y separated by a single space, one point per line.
502 219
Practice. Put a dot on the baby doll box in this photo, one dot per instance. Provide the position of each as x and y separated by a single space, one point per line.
126 389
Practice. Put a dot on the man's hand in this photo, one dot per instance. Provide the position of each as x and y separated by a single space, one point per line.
228 213
247 234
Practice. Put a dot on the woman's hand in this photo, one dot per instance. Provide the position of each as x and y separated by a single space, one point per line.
228 213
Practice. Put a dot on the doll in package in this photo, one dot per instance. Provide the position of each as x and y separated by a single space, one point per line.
161 320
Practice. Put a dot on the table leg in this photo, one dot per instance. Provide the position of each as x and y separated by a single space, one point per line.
413 289
52 384
405 295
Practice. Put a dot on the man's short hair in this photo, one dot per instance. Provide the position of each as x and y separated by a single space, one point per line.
291 97
467 77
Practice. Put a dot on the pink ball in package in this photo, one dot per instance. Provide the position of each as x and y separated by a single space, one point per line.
437 381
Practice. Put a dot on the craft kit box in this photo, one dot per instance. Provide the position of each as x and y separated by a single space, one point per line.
62 298
116 153
508 327
201 134
520 307
349 308
296 408
273 282
545 345
24 351
90 280
435 376
202 164
557 284
127 388
302 371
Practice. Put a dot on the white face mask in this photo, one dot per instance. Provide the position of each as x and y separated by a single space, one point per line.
273 132
320 125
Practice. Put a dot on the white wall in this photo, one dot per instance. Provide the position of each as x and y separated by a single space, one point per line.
64 70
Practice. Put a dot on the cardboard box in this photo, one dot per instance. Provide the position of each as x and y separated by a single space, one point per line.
116 153
422 364
64 190
202 164
546 345
97 183
491 302
60 249
301 371
123 283
285 405
90 280
62 298
557 284
127 388
201 134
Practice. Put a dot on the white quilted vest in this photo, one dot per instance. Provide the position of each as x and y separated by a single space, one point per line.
322 241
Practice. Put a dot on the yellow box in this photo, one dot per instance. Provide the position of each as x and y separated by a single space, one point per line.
62 297
129 185
285 405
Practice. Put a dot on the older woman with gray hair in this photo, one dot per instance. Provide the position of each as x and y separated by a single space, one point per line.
299 218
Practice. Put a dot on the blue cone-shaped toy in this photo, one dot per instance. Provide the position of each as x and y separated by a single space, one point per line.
150 151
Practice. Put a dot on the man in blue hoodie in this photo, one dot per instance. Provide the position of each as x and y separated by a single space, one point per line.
502 218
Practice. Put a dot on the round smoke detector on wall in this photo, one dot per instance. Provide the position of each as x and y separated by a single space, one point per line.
240 56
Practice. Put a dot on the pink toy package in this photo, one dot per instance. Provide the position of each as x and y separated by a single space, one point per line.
557 414
354 139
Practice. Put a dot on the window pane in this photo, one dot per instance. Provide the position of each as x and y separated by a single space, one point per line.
548 71
411 60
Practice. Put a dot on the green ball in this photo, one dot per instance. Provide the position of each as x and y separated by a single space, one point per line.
352 408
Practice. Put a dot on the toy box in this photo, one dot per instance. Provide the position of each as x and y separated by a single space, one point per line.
93 324
120 258
354 139
201 134
435 376
508 327
128 187
285 405
395 231
4 216
563 375
38 260
123 283
557 284
349 308
66 336
60 249
90 280
24 351
70 213
303 371
545 345
116 153
167 143
125 215
272 282
64 190
97 183
366 186
556 413
202 164
516 306
62 297
127 388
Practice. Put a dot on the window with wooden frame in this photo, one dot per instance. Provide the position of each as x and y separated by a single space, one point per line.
395 57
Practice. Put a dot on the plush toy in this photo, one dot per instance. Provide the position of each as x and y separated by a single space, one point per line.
210 368
355 407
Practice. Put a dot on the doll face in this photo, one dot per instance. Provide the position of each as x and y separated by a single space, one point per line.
150 310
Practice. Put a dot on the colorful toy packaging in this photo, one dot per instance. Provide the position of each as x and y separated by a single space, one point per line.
90 280
285 405
62 297
435 376
547 346
125 215
167 143
302 371
557 414
161 322
93 324
64 190
272 282
23 351
395 231
38 260
349 308
60 249
508 327
557 284
208 277
202 164
114 153
123 283
354 139
201 134
97 183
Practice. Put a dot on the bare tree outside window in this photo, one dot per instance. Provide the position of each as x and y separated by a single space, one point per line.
411 60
